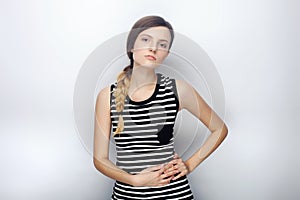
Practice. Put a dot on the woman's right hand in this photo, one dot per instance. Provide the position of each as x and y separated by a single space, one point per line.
154 176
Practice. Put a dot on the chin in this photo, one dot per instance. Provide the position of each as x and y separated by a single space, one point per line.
151 65
148 64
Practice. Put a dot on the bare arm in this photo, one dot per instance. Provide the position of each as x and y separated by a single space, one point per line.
152 176
191 101
102 129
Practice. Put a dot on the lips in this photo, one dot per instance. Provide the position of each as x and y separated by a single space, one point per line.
150 57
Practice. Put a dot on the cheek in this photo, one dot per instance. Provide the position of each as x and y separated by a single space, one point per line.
138 55
140 46
139 52
163 55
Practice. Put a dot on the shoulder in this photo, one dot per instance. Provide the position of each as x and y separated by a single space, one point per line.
183 86
185 92
103 97
107 90
104 91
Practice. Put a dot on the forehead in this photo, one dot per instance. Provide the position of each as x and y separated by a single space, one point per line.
159 32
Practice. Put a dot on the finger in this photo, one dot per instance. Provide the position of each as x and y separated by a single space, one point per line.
174 161
179 165
168 167
165 181
178 176
171 170
169 174
175 164
176 156
160 171
183 172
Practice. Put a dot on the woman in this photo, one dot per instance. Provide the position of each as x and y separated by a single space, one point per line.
142 107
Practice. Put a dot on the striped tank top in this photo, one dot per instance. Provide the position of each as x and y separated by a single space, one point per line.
147 140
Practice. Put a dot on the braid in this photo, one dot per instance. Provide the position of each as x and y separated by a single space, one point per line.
120 93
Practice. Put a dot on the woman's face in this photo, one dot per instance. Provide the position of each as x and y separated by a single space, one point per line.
151 46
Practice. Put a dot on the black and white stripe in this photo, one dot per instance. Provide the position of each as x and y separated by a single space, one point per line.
147 140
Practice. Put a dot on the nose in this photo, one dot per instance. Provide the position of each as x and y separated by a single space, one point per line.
153 46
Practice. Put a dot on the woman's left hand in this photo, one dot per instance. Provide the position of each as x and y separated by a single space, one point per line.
179 166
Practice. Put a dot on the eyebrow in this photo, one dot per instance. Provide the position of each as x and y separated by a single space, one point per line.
152 37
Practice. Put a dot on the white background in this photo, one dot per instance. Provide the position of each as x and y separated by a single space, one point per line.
254 44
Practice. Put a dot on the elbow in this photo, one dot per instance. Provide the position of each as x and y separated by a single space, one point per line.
97 163
224 131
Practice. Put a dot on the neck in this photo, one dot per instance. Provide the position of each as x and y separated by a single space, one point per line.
142 76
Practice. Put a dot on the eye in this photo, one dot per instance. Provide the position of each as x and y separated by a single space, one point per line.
163 45
145 39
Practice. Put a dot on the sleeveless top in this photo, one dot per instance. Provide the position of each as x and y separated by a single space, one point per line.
147 140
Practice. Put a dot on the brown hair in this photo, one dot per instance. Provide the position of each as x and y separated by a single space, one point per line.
123 79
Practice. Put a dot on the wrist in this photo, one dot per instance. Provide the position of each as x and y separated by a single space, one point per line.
189 167
133 180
